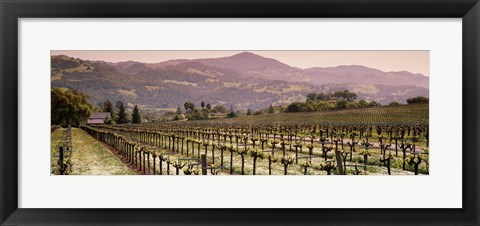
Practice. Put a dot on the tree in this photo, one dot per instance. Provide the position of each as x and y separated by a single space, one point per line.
202 104
311 96
122 115
341 104
209 106
220 108
271 110
136 117
177 117
205 114
117 105
107 121
417 100
363 103
294 107
322 96
108 107
394 103
345 95
249 112
179 110
374 104
352 105
69 107
199 114
231 114
194 115
309 107
324 106
349 96
189 106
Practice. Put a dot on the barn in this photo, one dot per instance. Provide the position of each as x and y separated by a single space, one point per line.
98 117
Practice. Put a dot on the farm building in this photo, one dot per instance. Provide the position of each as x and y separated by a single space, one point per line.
98 117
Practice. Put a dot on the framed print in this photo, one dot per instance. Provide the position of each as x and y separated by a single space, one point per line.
205 112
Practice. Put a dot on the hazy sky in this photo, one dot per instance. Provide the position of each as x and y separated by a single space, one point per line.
413 61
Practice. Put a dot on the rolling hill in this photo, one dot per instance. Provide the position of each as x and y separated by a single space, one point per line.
243 81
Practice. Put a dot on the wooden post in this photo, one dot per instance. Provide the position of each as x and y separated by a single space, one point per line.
61 170
339 162
203 161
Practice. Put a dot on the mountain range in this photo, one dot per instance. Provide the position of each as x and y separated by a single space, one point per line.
244 80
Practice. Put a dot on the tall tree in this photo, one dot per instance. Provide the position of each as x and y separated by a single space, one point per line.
202 104
117 105
69 107
122 115
108 107
136 117
209 106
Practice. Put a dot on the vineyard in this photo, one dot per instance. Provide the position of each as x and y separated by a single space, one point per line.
396 115
375 141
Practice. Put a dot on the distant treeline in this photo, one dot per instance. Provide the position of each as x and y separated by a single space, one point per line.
337 100
120 116
192 113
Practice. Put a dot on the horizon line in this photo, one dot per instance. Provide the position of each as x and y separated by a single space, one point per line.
91 57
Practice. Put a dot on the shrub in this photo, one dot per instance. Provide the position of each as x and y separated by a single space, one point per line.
352 105
341 104
324 106
417 100
394 103
294 107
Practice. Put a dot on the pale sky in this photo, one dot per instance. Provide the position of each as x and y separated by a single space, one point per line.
412 61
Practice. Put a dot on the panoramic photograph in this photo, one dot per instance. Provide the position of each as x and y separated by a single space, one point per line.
242 112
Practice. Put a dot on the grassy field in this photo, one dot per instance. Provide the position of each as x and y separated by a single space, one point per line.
55 142
90 156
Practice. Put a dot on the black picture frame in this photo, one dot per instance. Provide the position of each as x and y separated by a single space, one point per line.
12 10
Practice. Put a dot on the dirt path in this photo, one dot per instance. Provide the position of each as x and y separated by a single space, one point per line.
91 157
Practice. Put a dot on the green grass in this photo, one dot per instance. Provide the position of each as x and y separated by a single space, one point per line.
91 157
55 142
